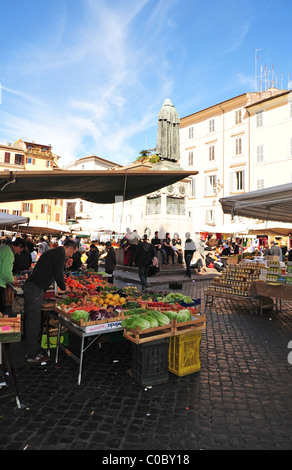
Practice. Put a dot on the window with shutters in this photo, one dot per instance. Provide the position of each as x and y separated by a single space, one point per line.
238 116
259 119
7 157
211 153
193 187
4 211
210 216
237 180
191 132
238 146
260 183
57 217
27 207
260 153
19 159
16 212
212 125
45 209
191 158
210 185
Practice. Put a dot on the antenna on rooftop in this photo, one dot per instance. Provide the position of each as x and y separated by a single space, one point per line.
267 78
289 82
256 69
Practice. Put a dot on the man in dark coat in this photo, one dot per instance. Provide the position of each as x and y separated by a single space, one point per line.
144 254
93 256
110 261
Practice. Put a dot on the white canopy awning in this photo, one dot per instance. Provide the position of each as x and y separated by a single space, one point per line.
274 203
44 227
228 229
271 229
8 220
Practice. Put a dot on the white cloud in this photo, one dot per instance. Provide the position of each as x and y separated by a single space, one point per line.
107 82
246 80
240 36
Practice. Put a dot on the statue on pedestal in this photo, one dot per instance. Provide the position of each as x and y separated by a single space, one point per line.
167 147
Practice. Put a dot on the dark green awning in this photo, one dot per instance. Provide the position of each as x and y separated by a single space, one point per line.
94 186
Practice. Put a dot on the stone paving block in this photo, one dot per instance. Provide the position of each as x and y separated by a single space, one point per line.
240 399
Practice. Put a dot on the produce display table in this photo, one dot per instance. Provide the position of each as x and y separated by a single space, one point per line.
10 332
93 308
276 291
210 295
93 331
255 300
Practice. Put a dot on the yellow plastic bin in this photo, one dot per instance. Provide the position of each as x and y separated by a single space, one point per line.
184 353
64 339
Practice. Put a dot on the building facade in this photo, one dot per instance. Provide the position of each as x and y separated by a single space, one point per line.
239 145
31 156
163 210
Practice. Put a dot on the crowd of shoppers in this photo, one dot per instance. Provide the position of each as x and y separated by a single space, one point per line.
46 259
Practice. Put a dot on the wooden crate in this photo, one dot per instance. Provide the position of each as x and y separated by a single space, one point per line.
174 328
9 295
83 323
232 260
10 325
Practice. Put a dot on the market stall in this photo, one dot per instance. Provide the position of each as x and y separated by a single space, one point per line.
234 284
95 307
269 204
260 282
275 282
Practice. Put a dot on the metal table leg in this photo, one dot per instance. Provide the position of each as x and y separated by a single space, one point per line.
81 360
58 343
11 375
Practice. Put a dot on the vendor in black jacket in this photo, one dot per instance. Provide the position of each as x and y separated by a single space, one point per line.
49 268
144 254
110 261
92 257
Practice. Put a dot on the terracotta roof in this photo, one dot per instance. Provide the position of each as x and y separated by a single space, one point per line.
286 92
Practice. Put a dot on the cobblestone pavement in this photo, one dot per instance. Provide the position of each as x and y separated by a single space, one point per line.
240 399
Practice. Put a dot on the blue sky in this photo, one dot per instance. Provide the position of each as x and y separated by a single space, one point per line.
90 76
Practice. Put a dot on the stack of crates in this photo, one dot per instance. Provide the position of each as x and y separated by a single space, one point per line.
150 362
184 353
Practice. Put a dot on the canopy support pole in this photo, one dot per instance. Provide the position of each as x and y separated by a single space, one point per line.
124 195
10 179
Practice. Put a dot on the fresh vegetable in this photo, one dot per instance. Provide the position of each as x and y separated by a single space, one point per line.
161 318
171 314
94 315
152 320
135 311
80 314
136 321
176 296
128 305
183 315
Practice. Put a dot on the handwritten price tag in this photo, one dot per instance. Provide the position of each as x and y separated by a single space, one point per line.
5 328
